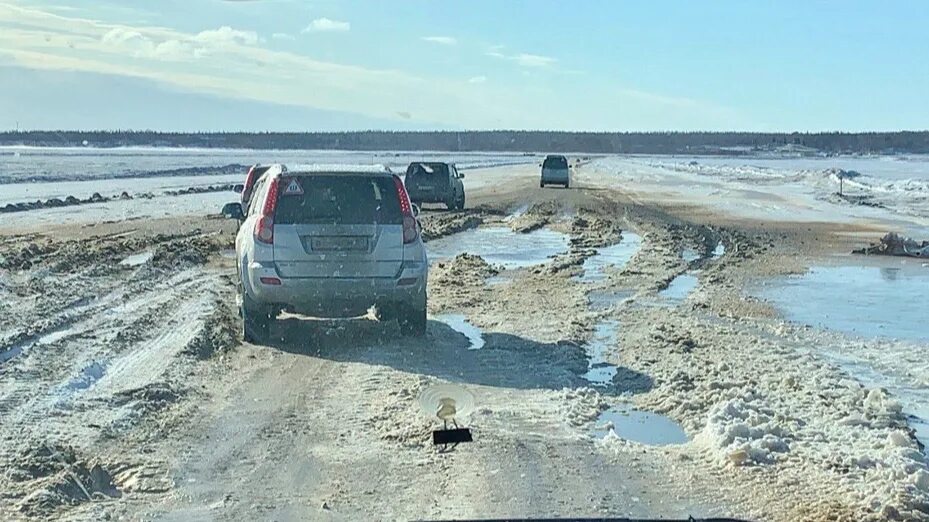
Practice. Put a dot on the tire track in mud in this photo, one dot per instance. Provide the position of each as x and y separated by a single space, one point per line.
95 372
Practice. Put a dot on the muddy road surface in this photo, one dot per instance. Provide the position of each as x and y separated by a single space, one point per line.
126 391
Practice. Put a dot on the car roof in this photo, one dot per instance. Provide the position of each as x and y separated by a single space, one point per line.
430 163
555 156
340 168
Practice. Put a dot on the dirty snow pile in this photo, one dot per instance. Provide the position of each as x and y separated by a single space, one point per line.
744 431
762 408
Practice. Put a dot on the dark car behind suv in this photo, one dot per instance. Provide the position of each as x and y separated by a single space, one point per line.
435 183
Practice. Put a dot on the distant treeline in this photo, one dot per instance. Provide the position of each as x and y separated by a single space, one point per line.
498 141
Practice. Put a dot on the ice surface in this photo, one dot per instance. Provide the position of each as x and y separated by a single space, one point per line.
460 324
679 288
781 189
639 426
137 259
886 299
615 255
600 372
501 246
876 313
690 255
61 164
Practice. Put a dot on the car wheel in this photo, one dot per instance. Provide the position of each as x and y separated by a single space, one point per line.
256 321
542 184
385 312
566 185
461 202
412 322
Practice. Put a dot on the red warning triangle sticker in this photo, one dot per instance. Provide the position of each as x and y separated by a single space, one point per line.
293 188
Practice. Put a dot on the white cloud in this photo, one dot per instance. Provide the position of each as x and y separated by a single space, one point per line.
37 39
182 48
226 35
175 50
533 60
441 40
282 36
324 25
521 59
120 35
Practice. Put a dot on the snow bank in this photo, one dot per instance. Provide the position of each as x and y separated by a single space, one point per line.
743 432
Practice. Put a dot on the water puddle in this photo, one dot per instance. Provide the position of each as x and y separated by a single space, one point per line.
690 255
501 246
869 301
639 426
138 259
616 255
601 300
600 372
879 299
460 324
88 376
498 279
680 287
52 336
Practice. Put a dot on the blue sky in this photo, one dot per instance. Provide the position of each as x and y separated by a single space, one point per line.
586 65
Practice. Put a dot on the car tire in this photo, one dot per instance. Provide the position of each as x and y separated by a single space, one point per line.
461 202
566 185
412 322
542 184
256 321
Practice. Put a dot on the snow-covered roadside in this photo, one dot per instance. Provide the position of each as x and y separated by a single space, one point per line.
777 190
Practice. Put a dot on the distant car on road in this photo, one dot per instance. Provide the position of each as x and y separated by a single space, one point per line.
329 242
555 171
433 182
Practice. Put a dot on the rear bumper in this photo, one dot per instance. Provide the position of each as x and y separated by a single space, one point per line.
429 196
338 297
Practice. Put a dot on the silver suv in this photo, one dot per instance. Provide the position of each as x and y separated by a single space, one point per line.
329 241
555 171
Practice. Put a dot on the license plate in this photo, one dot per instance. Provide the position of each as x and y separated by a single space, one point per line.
348 243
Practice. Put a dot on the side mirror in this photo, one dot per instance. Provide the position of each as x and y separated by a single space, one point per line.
460 175
233 211
239 188
416 211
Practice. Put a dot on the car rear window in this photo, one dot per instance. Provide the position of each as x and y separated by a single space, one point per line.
418 169
555 163
339 200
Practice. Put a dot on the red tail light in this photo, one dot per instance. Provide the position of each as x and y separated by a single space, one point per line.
410 227
264 227
249 183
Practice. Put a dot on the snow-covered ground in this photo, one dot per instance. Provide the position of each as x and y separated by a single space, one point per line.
789 189
65 164
61 172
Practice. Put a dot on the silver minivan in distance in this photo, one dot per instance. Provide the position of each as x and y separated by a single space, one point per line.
555 171
329 241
